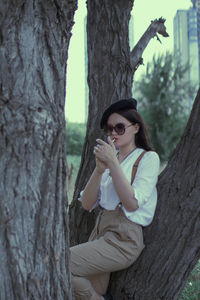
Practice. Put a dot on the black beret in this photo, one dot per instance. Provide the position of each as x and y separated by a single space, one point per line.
117 106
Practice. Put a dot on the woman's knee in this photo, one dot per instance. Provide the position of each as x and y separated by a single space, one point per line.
82 287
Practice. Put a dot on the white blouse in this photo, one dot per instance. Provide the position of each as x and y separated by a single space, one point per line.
144 187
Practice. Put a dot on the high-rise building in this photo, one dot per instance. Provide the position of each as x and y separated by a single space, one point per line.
187 40
196 3
181 49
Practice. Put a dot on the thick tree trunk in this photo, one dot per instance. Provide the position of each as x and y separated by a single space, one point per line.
173 239
34 256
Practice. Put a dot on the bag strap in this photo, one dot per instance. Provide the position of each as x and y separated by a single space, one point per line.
135 166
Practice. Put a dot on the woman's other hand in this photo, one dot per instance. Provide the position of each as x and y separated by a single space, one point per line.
100 166
105 152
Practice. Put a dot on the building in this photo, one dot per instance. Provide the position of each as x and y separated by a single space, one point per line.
187 40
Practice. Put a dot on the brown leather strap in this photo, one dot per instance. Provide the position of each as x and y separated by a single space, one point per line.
135 166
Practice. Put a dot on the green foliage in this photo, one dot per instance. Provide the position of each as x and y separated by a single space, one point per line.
73 162
164 99
75 137
192 288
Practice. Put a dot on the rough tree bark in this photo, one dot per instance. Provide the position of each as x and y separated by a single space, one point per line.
173 239
34 40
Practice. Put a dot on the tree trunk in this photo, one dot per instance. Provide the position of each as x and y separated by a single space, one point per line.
34 255
173 239
111 67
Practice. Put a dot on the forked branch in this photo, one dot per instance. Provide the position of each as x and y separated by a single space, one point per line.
157 27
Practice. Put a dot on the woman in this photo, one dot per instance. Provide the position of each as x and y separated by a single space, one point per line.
126 206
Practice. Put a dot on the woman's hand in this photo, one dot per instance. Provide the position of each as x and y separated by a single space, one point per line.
100 166
105 152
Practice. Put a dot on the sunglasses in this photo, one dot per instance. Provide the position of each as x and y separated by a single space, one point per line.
119 128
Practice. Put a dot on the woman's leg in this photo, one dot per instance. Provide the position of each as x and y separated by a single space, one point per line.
120 244
83 289
91 264
100 282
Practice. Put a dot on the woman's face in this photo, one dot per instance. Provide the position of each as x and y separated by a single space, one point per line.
116 125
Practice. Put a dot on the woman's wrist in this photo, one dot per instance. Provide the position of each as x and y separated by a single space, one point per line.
98 172
113 163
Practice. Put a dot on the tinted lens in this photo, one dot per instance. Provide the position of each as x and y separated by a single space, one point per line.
119 128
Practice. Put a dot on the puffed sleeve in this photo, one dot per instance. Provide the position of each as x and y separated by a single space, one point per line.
146 177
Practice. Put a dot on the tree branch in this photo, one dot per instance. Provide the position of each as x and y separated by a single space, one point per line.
157 26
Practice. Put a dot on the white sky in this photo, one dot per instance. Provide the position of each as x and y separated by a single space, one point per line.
143 12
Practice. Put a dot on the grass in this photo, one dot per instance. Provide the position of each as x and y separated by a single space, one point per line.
191 290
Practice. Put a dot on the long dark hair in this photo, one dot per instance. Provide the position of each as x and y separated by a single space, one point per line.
141 138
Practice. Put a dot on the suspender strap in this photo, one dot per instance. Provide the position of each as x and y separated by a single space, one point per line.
135 166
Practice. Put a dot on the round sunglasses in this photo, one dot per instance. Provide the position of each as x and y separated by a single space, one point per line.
119 128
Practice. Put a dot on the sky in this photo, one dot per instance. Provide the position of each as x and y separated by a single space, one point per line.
144 11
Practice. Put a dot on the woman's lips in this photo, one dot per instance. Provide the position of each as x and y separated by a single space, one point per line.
114 139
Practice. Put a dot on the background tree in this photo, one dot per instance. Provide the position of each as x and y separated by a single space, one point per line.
75 138
165 99
34 257
173 238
